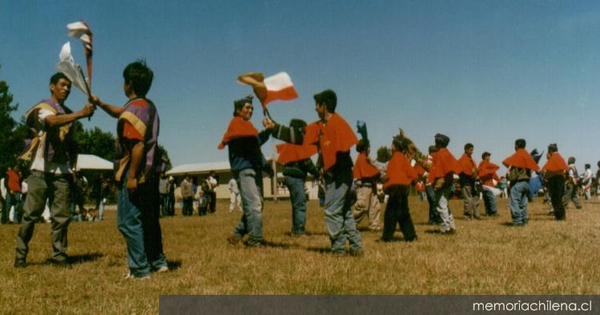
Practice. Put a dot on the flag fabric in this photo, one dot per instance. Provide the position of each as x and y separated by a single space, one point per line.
72 70
81 30
279 87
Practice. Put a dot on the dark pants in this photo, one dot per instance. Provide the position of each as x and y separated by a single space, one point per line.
188 206
397 212
556 188
213 201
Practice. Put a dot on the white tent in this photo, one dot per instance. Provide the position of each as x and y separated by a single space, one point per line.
92 162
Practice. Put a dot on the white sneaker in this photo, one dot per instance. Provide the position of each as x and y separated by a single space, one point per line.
131 276
162 269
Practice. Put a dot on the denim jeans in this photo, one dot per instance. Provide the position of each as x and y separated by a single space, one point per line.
138 222
519 193
442 198
489 199
339 220
250 185
434 216
298 199
54 189
12 200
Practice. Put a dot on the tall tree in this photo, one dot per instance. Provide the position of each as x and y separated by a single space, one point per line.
11 142
95 141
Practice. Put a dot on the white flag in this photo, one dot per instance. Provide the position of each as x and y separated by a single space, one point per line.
73 71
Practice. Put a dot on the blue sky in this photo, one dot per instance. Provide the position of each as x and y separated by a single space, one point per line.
485 72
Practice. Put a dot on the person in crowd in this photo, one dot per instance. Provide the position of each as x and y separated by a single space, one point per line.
366 176
247 165
441 176
13 195
571 185
171 203
334 139
137 173
187 193
235 199
554 175
586 181
213 183
53 156
520 165
399 177
467 180
163 190
489 178
297 164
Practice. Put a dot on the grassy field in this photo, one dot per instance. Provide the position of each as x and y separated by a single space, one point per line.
485 257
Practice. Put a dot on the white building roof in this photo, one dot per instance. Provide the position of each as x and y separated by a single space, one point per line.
93 162
199 168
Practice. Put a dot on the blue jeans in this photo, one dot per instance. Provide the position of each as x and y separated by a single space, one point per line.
518 202
137 220
339 220
55 190
250 185
298 199
489 199
12 200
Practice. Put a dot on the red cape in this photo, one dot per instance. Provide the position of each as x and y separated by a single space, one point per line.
363 168
335 136
556 163
399 171
443 163
467 164
521 159
293 152
238 128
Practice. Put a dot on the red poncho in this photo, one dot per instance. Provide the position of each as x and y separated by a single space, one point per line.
333 137
521 159
238 128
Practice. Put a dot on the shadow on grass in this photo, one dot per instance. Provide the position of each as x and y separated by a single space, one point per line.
174 264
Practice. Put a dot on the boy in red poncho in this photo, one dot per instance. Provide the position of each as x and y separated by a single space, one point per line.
519 165
441 175
487 176
400 175
366 176
554 175
334 138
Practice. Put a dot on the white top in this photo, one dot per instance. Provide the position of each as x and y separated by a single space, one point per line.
39 163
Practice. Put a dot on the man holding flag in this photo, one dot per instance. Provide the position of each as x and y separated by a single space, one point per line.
247 164
53 155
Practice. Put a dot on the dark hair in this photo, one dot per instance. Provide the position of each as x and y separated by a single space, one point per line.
485 154
520 143
139 76
328 98
239 104
469 146
57 76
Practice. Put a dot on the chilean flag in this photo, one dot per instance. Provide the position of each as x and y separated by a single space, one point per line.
279 87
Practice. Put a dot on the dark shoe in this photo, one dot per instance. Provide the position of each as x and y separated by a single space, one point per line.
233 240
20 263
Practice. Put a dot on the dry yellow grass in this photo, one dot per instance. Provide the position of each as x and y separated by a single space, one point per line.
485 257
